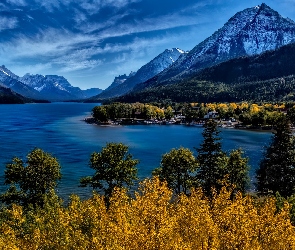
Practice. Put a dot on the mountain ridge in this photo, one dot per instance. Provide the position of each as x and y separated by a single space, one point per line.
150 69
249 32
49 87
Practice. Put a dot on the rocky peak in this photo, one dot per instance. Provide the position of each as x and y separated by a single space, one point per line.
249 32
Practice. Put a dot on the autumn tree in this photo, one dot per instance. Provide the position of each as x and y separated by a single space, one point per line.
178 168
29 182
211 158
276 172
114 167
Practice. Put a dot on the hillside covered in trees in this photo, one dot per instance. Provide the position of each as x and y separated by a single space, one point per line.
267 77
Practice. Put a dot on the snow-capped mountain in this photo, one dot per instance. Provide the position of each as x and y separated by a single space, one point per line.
49 87
249 32
124 84
10 80
57 88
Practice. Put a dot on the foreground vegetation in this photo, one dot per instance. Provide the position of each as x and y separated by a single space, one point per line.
152 219
191 202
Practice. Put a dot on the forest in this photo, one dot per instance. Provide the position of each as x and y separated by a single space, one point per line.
191 202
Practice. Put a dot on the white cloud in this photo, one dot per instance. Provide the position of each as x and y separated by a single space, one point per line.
17 2
74 65
92 6
52 43
8 23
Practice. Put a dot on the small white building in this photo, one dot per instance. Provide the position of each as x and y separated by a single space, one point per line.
211 115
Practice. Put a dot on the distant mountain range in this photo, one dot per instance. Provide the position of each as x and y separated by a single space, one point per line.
50 87
249 32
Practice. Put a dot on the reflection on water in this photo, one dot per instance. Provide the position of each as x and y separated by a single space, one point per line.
58 129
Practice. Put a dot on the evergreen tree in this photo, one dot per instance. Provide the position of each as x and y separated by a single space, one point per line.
212 160
276 172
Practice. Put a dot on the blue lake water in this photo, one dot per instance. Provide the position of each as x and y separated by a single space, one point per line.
58 128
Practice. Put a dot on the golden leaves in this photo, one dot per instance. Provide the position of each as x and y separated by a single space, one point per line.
153 219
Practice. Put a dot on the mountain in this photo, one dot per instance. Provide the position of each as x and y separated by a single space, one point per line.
10 80
57 88
119 80
124 84
7 96
249 32
91 92
269 76
268 65
50 87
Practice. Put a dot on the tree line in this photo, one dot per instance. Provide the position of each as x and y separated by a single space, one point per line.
248 114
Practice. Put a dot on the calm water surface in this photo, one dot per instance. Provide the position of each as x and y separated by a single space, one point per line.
58 129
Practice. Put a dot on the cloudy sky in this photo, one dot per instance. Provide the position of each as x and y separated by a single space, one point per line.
91 41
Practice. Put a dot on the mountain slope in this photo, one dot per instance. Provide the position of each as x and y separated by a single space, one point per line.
268 65
269 76
249 32
158 64
7 96
10 80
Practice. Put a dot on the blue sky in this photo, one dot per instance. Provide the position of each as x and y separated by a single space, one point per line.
91 41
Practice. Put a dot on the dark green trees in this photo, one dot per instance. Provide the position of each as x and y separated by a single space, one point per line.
211 158
178 168
30 182
100 114
113 166
215 166
276 172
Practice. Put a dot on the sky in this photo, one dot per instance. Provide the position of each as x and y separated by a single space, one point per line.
89 42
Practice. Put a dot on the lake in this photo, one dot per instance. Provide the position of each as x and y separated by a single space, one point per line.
58 128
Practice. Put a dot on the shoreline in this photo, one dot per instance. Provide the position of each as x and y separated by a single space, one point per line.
132 122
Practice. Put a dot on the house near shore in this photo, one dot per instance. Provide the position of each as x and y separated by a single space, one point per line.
211 115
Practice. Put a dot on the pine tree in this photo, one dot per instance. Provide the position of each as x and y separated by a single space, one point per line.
276 172
212 160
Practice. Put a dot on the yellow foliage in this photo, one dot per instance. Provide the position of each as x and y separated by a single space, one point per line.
153 218
254 108
244 106
211 106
